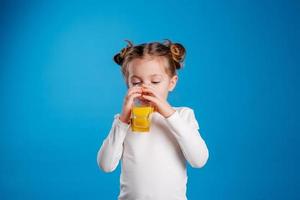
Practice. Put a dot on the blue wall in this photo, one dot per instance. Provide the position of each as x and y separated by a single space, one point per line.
60 89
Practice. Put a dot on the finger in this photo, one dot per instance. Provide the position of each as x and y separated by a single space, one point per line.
150 91
135 87
134 90
150 98
132 97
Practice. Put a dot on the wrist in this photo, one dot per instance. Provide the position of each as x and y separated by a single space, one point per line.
124 119
170 111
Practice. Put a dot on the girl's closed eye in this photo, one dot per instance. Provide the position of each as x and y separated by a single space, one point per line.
136 83
155 82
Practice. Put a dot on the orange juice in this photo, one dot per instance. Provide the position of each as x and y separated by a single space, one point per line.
140 118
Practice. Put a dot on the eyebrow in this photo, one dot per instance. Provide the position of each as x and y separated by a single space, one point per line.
152 75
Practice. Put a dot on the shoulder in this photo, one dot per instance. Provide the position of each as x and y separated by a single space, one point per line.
187 114
184 110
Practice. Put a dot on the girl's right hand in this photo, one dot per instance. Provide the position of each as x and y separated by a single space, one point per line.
132 93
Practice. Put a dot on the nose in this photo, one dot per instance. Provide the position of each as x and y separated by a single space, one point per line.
146 84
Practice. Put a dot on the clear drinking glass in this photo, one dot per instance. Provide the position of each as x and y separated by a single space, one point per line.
141 116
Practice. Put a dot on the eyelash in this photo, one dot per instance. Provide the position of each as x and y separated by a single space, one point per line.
154 82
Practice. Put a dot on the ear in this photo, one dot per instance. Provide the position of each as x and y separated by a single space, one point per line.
172 83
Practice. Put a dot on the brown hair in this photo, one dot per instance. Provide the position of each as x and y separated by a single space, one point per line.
173 52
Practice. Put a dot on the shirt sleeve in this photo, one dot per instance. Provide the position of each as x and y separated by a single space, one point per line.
185 129
111 149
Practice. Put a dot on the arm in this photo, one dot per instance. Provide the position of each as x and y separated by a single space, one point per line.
185 128
111 150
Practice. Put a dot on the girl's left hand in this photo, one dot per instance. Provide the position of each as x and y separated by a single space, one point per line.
161 104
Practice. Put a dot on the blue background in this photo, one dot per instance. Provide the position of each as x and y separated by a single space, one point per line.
60 90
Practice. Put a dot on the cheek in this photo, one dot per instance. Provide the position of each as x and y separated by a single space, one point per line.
162 89
130 85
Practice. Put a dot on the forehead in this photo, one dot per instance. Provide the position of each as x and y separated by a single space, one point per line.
146 67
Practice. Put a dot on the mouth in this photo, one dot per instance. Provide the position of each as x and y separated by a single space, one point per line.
145 102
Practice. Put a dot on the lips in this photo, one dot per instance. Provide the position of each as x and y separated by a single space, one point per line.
146 102
143 101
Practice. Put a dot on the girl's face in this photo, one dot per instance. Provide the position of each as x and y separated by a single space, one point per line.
151 72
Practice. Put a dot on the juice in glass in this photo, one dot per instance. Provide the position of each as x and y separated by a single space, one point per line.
141 117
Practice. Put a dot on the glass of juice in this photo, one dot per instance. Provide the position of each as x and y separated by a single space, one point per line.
141 116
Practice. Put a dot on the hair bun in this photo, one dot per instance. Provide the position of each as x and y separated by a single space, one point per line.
119 57
177 52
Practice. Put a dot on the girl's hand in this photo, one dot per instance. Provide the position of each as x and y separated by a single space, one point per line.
132 93
161 105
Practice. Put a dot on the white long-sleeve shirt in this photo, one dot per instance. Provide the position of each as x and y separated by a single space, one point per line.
153 164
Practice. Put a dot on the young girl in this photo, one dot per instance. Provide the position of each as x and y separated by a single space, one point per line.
153 164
